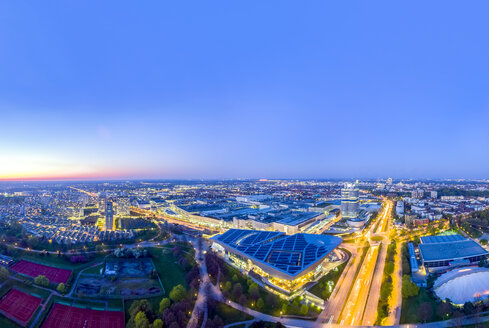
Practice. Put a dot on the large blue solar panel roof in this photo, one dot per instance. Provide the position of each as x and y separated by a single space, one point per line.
290 254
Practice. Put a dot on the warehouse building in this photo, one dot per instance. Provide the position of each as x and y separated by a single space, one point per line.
439 253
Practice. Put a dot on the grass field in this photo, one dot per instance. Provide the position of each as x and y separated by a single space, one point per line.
7 323
321 289
377 238
57 261
171 274
228 314
32 289
94 270
410 306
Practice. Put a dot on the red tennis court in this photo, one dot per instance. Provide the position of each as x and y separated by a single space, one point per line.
19 306
31 269
64 316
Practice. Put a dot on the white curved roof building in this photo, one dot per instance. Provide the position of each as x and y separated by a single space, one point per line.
463 285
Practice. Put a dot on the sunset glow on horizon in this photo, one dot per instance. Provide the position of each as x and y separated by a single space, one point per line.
186 92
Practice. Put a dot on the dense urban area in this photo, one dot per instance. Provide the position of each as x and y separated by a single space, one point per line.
244 253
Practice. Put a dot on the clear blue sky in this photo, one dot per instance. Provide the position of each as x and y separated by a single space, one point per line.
236 89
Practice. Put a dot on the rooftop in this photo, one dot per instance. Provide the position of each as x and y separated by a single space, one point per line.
297 218
289 254
441 239
438 248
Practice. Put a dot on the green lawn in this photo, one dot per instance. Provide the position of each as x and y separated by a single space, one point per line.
58 261
322 289
410 306
32 289
228 314
171 274
7 323
377 238
94 270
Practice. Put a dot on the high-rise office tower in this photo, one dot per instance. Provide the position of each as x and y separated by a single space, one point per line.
349 201
109 215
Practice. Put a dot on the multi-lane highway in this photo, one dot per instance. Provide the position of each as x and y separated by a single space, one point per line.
360 305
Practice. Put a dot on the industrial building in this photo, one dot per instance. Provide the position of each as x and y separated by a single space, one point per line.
439 253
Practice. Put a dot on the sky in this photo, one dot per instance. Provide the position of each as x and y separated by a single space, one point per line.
244 89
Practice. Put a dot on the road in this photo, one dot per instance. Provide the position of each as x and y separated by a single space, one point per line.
352 313
335 303
370 313
360 306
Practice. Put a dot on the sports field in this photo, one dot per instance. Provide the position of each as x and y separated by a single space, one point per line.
32 269
19 306
64 316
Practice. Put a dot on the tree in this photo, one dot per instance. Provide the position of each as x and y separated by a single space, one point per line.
304 309
285 308
178 293
389 268
444 310
158 323
61 288
425 311
469 308
253 290
483 241
164 304
217 322
409 288
237 290
242 300
235 278
141 305
260 305
41 281
4 272
227 286
141 321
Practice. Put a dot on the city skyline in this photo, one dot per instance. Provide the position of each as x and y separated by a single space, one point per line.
241 90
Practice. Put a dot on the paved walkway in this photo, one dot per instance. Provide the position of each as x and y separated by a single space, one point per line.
200 306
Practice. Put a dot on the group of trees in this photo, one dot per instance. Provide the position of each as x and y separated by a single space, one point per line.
173 312
246 292
387 285
409 288
181 257
444 310
131 252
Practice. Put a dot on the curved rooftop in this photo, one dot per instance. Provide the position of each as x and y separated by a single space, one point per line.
463 285
289 254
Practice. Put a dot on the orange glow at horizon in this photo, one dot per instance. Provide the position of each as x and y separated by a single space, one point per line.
43 168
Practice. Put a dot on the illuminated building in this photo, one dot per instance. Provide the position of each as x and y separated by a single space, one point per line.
439 253
349 201
284 262
123 206
109 215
